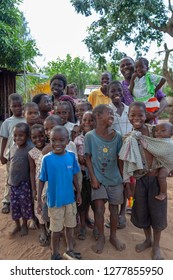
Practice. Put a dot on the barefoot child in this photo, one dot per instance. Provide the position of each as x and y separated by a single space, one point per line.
121 124
19 179
102 146
6 133
148 212
59 168
38 138
87 124
163 130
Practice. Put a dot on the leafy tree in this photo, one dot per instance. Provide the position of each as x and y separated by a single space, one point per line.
140 22
76 70
17 48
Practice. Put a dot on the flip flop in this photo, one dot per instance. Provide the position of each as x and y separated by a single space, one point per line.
121 222
82 234
72 255
5 208
56 257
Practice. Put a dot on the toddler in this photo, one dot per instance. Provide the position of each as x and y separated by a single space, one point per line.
144 85
163 130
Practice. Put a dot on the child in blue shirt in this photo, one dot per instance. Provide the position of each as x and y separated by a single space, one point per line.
60 169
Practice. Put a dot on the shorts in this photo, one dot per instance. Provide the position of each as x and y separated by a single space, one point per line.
112 194
147 210
21 201
61 217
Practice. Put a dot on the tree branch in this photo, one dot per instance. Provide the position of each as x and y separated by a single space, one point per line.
166 73
170 6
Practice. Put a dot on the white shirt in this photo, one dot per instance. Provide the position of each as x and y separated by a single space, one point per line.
121 123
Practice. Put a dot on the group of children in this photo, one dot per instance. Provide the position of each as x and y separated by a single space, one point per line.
58 169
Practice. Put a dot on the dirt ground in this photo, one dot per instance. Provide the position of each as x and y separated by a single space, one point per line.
28 248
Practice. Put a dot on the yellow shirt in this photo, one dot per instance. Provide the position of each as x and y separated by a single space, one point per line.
96 97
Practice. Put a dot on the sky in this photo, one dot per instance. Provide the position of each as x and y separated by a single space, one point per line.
59 30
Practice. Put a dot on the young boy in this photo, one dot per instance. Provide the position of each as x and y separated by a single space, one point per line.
121 123
147 211
6 133
59 168
31 113
100 96
102 146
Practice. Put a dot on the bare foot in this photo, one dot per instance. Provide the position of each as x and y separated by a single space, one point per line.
15 230
98 247
156 255
143 246
24 230
32 224
161 196
120 246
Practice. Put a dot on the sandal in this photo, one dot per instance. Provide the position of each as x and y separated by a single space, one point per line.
44 241
71 255
82 234
5 208
96 234
90 223
121 222
56 257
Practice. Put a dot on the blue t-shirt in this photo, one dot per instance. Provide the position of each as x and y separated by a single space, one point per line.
59 171
104 155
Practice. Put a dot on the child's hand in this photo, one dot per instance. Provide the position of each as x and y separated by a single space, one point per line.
81 160
128 191
94 183
78 199
34 194
39 207
3 160
134 75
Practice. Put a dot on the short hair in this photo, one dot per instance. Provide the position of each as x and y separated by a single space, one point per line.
59 77
138 104
54 118
84 103
29 105
59 129
107 73
37 126
26 127
62 103
144 60
99 109
115 82
128 57
14 97
37 98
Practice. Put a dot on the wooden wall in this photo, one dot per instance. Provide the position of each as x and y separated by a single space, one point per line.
7 86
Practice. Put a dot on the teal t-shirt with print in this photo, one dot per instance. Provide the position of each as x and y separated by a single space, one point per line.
104 155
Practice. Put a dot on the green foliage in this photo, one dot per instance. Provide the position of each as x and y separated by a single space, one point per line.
133 21
76 70
16 46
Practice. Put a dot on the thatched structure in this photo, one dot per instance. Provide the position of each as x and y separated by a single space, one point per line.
7 86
